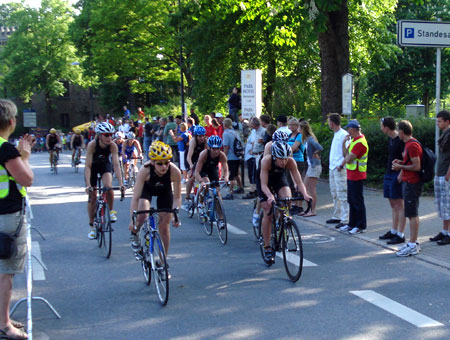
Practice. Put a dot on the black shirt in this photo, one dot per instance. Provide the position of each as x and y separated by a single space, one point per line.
395 151
13 202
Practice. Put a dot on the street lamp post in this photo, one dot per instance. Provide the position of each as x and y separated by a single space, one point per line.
183 111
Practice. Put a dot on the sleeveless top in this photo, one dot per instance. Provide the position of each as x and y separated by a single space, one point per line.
198 149
129 149
101 155
52 141
158 184
77 140
210 163
275 172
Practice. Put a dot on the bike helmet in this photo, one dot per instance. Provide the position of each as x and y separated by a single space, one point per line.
130 135
281 150
215 142
280 136
199 131
77 131
119 134
52 130
104 128
159 151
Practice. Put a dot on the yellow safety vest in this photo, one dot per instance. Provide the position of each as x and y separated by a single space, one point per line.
359 164
4 180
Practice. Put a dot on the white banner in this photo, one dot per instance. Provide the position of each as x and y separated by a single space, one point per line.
251 93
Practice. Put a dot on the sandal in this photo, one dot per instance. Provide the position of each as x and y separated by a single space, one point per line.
17 324
309 214
22 335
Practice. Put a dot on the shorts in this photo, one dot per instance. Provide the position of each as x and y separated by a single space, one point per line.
442 197
411 193
99 168
9 224
212 174
274 184
233 168
391 187
182 161
314 172
164 198
302 168
251 167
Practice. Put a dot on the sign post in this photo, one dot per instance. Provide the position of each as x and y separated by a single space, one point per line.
251 93
347 94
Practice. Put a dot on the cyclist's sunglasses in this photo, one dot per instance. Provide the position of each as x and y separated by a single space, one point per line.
162 163
107 134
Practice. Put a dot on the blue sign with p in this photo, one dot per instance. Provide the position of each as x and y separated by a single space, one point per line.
409 32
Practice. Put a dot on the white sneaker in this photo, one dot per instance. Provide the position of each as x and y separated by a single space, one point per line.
113 215
92 234
255 220
345 228
408 250
356 231
134 241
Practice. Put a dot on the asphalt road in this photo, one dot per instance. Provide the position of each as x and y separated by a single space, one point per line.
350 289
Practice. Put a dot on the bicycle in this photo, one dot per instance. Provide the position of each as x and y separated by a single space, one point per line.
76 159
215 213
54 162
194 204
102 219
257 229
285 238
152 253
132 173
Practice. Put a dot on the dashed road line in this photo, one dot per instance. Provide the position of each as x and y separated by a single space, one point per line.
396 309
292 258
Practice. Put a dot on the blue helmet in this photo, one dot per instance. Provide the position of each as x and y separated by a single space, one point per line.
215 142
199 131
280 136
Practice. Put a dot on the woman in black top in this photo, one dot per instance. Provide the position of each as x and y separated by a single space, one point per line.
13 163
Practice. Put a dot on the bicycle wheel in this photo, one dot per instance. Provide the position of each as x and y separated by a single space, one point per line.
76 162
292 250
145 262
191 209
159 269
98 226
107 231
207 222
221 221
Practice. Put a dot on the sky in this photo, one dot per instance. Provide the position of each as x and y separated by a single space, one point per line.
32 3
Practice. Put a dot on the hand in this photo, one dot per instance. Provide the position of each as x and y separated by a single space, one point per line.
307 197
88 190
340 168
396 166
25 146
270 200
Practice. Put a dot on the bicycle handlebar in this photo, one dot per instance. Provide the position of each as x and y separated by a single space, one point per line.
105 189
152 211
290 199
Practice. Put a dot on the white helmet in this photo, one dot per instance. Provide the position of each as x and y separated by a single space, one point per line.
280 136
130 135
119 134
104 128
281 150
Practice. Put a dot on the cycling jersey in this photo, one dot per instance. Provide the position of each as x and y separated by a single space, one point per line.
77 141
277 179
52 141
209 168
159 186
129 151
197 150
101 162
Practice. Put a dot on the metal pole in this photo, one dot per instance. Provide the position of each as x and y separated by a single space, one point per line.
438 97
183 111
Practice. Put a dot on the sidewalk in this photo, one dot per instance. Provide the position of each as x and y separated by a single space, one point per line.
379 221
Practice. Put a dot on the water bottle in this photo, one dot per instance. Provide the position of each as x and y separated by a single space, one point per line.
147 239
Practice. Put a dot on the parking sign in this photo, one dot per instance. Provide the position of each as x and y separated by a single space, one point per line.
423 33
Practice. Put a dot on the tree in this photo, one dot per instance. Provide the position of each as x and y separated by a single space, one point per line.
39 56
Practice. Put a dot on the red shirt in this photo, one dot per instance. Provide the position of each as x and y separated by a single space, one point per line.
412 149
141 130
220 131
141 115
210 131
359 150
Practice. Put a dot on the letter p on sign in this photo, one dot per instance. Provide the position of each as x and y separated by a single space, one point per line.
409 32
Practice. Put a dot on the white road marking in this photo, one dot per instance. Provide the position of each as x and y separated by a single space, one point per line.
396 308
292 258
38 271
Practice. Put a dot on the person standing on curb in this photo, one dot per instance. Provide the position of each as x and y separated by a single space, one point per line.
441 185
233 160
392 189
356 155
412 186
337 175
15 175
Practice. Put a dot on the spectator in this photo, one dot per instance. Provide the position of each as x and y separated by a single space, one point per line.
182 140
337 176
210 130
249 160
282 122
441 186
219 118
229 137
195 117
126 113
160 132
295 142
215 124
412 186
257 149
234 103
140 132
244 126
171 126
269 132
191 125
392 189
356 155
148 135
141 114
313 149
14 164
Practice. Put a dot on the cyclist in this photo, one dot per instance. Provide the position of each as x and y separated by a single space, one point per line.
130 148
196 146
53 143
206 169
119 139
76 144
273 179
98 161
156 178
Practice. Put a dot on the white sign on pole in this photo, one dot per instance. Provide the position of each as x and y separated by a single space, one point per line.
29 119
251 93
347 93
423 33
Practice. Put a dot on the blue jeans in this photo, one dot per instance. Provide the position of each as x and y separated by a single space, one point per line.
147 142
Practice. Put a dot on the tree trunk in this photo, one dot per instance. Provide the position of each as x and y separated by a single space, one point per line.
271 78
48 107
426 101
334 54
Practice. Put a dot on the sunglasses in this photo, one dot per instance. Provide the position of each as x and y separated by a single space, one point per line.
162 163
107 134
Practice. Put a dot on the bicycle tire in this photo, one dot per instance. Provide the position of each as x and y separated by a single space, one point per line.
98 227
159 270
107 231
191 210
292 250
76 162
257 230
222 227
207 223
145 263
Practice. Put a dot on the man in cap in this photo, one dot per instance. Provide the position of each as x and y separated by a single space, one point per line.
356 155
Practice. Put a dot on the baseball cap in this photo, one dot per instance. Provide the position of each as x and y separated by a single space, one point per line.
353 124
219 115
154 118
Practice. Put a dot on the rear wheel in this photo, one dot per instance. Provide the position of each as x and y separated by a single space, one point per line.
221 221
292 250
107 231
160 270
98 226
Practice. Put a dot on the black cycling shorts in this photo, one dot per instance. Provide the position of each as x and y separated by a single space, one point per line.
275 183
212 174
99 168
164 198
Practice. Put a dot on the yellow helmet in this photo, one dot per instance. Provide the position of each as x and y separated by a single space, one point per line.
159 150
52 130
77 131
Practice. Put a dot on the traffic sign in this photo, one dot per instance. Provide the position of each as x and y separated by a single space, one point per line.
29 118
423 33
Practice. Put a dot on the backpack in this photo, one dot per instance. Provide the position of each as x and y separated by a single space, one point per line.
427 163
238 148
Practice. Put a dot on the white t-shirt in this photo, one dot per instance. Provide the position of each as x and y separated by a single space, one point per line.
336 155
285 129
249 145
